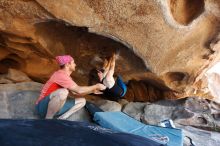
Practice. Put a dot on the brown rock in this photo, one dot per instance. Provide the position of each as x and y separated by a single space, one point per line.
149 39
184 11
17 76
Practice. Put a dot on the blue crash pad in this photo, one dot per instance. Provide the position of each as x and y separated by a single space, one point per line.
64 133
121 122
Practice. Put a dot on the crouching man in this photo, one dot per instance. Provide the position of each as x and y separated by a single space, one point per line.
53 102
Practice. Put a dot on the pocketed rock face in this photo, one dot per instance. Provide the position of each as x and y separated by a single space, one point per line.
20 48
188 112
160 36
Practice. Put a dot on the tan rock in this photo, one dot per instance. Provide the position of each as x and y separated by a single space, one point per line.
184 11
162 37
17 76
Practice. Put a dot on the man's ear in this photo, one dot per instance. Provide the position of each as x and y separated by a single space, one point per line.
68 64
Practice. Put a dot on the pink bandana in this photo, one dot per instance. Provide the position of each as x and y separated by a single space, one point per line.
64 59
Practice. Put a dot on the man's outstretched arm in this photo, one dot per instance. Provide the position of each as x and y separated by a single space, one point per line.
84 90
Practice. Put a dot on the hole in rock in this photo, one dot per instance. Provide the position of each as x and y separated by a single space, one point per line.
185 11
8 63
202 120
11 61
174 76
216 116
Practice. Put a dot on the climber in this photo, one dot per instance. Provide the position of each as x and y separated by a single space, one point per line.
115 89
53 102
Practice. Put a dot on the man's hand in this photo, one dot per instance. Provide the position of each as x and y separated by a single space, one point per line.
99 88
97 92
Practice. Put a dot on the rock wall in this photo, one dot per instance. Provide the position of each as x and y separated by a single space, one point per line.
158 36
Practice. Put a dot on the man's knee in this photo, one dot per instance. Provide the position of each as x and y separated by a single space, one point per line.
62 93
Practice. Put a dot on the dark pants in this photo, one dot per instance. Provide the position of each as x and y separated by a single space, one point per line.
117 91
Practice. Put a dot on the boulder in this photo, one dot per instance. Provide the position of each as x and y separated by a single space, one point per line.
80 115
108 106
18 100
14 76
192 112
200 137
159 111
135 110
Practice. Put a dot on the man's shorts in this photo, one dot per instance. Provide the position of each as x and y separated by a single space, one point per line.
42 106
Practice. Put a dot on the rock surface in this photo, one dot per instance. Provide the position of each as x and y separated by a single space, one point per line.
163 37
18 100
191 114
108 106
166 48
200 137
14 76
135 110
